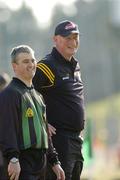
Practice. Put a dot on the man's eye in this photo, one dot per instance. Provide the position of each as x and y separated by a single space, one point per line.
33 60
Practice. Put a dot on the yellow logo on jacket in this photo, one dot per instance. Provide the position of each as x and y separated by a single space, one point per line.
29 112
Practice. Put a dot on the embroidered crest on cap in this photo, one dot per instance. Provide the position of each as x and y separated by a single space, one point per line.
70 26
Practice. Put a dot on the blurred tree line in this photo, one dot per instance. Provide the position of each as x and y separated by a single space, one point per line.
99 42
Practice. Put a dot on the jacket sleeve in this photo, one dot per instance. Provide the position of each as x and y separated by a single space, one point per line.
44 76
8 125
52 155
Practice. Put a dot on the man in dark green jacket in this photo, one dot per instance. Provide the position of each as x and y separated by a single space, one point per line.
23 128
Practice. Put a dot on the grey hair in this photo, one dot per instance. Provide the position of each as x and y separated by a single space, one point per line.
20 49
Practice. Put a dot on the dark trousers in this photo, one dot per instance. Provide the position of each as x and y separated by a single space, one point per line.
1 165
68 145
33 165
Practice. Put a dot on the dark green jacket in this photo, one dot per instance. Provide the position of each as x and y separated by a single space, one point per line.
22 120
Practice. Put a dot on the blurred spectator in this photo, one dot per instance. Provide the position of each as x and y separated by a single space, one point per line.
4 80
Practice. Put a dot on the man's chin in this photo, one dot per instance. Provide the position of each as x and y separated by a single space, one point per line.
31 75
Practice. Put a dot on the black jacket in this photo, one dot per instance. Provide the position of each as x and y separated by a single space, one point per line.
60 83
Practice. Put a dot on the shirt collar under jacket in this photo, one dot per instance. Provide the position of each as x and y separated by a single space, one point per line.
59 57
22 83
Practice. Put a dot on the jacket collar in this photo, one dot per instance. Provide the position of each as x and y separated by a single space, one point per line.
59 57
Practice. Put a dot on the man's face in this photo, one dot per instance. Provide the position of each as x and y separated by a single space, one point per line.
67 46
25 66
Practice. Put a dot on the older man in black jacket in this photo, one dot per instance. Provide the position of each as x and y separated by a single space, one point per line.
58 78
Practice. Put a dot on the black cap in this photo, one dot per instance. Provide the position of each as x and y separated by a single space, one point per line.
65 28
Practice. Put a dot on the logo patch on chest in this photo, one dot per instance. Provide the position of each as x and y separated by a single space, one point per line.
29 112
66 77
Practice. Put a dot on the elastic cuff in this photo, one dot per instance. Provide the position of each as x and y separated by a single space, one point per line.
12 154
58 162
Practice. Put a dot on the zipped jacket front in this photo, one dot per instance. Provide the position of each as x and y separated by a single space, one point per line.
23 113
59 81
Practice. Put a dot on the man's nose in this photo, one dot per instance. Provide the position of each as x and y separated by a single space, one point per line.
31 63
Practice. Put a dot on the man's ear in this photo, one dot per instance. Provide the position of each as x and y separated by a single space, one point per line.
14 65
54 39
